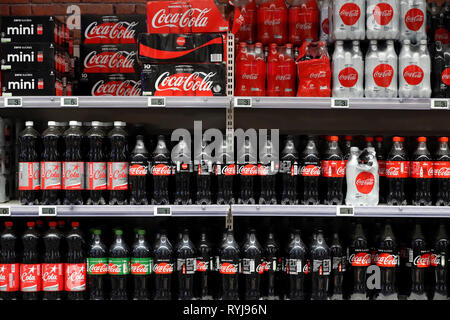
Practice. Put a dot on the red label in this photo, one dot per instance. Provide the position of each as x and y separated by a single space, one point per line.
446 76
422 261
397 169
116 88
161 170
435 260
198 83
350 13
96 179
310 170
248 170
442 35
9 277
413 75
441 169
75 277
30 277
383 75
228 268
360 259
139 268
383 13
422 169
110 32
181 41
387 260
414 19
365 181
52 277
333 168
163 268
325 26
201 266
382 168
138 170
117 176
348 77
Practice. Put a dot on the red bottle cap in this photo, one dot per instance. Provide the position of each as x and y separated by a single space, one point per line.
334 138
327 138
422 139
75 224
369 139
397 139
39 222
52 224
8 224
348 138
443 139
30 224
379 139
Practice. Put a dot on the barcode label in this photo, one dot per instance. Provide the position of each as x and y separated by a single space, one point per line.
216 57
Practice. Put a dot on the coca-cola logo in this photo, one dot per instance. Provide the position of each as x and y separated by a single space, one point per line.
193 17
248 170
163 268
77 274
422 261
365 181
318 75
283 77
161 170
272 22
442 35
387 260
383 13
72 174
201 266
350 13
107 61
251 76
100 173
413 75
435 259
348 77
138 268
98 268
196 82
303 26
122 30
138 170
260 268
51 174
441 169
360 259
228 268
383 75
310 170
116 88
446 76
181 41
227 170
414 19
325 26
119 173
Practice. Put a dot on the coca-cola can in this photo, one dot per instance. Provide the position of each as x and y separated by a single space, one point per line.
99 84
32 83
109 58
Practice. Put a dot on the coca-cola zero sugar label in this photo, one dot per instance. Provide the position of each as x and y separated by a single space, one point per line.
50 175
138 170
383 75
360 259
397 169
333 168
383 13
75 277
441 169
30 277
413 75
414 19
96 177
163 268
387 260
73 175
350 13
295 266
365 181
117 175
29 178
202 265
321 266
97 266
422 260
118 266
186 266
52 277
141 266
9 277
422 169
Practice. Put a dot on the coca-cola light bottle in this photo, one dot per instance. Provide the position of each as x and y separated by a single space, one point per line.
161 171
29 169
338 268
413 20
51 165
320 267
73 165
95 165
183 170
163 267
75 266
141 266
119 267
388 259
118 164
186 266
347 19
288 172
359 260
348 68
333 172
138 175
30 268
382 19
97 267
442 173
296 267
9 263
419 258
310 172
229 268
203 167
439 263
422 172
397 173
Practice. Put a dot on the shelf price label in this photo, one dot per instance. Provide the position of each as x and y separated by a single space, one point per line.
157 102
69 102
162 211
12 102
340 103
440 104
345 211
242 102
48 211
5 211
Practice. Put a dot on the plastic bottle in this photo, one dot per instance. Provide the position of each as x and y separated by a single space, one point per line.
203 273
422 172
186 265
267 169
52 266
117 183
75 267
333 172
138 175
252 267
97 267
296 267
96 165
310 172
288 172
359 260
161 172
9 263
388 260
397 172
29 170
229 268
30 268
73 165
321 267
183 167
163 267
141 267
119 267
51 165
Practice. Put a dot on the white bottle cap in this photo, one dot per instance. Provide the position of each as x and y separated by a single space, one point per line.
119 124
96 123
75 123
29 123
51 123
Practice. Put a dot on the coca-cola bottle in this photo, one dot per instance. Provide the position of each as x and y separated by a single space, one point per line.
186 264
439 262
321 267
422 174
204 173
381 159
419 257
303 21
52 266
30 268
338 268
252 267
272 266
73 165
183 169
397 172
97 267
29 179
141 266
225 171
9 263
288 172
296 267
248 171
388 260
359 260
272 21
161 172
96 165
247 31
442 173
311 168
267 169
204 268
333 172
118 164
229 268
51 165
119 266
138 173
441 70
163 267
75 267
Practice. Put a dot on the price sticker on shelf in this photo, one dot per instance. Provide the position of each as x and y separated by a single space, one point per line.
243 102
5 211
12 102
157 102
439 104
69 102
162 211
340 103
48 211
345 211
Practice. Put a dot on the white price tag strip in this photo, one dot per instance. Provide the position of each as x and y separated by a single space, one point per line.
440 104
5 211
345 211
69 102
162 211
157 102
12 102
340 103
242 102
48 211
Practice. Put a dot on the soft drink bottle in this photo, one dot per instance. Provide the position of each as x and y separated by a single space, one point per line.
388 260
273 62
440 22
333 172
257 81
288 172
422 172
225 171
248 171
161 172
229 267
9 264
73 165
183 170
381 159
242 71
97 267
414 70
247 31
204 268
348 68
382 19
397 172
204 173
359 260
321 267
348 20
163 267
442 173
119 266
30 268
413 15
186 265
310 172
75 267
96 165
439 259
138 174
118 164
303 21
52 266
267 169
252 267
141 267
296 267
272 265
338 268
441 71
272 21
29 178
324 21
347 144
51 165
419 257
